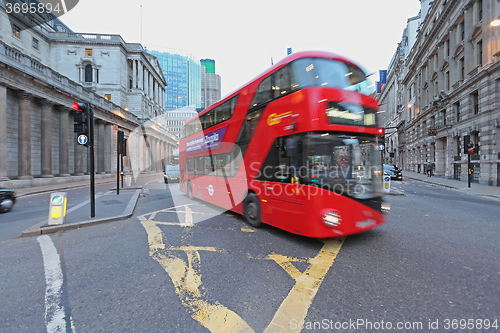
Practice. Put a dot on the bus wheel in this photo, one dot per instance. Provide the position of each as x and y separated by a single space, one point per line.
190 190
251 210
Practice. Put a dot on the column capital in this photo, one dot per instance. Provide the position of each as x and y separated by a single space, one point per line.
23 95
65 109
46 103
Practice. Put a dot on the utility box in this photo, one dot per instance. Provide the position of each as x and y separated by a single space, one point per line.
57 213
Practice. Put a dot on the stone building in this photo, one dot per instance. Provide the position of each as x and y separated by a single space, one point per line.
43 71
174 120
448 87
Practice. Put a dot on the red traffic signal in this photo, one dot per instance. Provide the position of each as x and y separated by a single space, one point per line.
472 151
82 119
82 107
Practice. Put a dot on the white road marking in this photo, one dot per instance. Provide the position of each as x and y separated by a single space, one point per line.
54 311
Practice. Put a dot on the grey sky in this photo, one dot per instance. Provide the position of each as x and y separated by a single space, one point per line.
242 36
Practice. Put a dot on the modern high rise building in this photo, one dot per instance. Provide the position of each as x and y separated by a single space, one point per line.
182 72
210 83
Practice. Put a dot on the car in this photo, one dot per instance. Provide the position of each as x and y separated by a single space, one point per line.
7 200
393 171
171 173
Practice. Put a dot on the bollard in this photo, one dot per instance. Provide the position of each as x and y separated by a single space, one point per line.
57 213
387 183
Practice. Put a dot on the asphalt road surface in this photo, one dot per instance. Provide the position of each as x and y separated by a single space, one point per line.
186 266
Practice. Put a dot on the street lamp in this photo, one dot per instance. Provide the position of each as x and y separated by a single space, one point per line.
495 22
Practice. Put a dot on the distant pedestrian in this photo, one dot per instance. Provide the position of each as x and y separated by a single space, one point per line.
429 169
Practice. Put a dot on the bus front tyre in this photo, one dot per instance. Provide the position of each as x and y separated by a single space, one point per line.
251 210
190 190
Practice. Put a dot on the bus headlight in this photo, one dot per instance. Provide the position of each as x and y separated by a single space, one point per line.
332 219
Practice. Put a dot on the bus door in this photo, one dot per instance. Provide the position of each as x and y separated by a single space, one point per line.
286 199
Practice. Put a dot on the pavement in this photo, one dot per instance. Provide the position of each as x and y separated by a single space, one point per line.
477 189
108 206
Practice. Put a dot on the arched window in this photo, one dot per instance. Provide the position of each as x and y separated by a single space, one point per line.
88 73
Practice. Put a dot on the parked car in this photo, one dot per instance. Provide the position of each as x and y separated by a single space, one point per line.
171 173
7 200
393 171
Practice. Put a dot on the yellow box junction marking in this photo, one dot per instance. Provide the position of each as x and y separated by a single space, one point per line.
186 277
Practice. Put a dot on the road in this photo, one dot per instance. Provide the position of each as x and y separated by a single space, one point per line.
196 268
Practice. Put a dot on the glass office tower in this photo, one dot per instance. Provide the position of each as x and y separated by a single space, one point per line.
182 72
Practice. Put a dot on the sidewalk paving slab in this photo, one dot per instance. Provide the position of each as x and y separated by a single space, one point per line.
109 207
478 189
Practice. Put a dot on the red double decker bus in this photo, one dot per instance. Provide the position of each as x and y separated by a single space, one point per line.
297 148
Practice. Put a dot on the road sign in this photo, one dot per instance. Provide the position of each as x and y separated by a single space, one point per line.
387 183
82 139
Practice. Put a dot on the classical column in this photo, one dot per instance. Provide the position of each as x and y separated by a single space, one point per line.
150 86
134 74
158 155
46 138
108 148
139 74
79 156
100 148
24 135
152 153
64 141
3 132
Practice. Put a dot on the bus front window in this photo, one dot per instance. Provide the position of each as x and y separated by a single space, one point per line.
349 164
310 72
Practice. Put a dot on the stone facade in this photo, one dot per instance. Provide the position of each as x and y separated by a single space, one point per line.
39 84
447 86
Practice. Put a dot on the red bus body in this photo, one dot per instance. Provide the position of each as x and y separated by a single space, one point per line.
295 128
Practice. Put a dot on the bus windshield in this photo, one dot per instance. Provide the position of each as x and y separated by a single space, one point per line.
347 163
331 73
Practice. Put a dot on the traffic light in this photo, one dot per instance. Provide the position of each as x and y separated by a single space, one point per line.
82 119
124 147
473 150
466 143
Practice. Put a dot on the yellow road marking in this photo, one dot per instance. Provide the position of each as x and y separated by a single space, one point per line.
187 281
299 299
244 229
186 278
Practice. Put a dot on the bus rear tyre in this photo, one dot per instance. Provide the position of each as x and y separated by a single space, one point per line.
190 190
251 210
